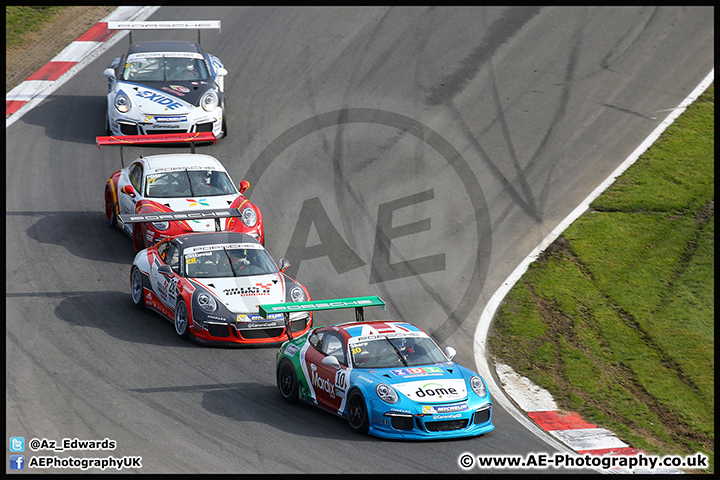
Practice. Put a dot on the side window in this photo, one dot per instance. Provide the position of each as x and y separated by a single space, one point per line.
171 257
136 174
333 345
316 340
162 247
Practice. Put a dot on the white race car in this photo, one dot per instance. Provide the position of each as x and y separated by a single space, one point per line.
161 87
209 285
179 182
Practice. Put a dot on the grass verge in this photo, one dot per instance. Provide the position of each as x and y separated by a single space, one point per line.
20 20
616 318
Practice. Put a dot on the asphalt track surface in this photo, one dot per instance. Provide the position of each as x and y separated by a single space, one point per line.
414 153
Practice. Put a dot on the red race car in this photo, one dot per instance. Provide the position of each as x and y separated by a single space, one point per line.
177 182
210 285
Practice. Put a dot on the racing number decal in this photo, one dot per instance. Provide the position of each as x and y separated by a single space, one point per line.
340 377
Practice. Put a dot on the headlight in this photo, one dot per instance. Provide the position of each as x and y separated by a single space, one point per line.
478 386
161 225
249 217
122 103
209 101
207 302
297 294
386 393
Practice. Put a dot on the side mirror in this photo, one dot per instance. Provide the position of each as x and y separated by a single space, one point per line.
221 72
128 190
244 185
165 270
450 352
109 72
331 361
284 264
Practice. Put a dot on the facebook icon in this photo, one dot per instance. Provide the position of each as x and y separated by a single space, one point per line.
17 462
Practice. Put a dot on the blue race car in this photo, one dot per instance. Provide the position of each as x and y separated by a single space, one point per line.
387 378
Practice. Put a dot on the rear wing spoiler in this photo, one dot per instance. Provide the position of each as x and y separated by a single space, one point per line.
165 25
155 139
217 214
358 303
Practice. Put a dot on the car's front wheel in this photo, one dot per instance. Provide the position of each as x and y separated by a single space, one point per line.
287 381
136 288
182 320
357 413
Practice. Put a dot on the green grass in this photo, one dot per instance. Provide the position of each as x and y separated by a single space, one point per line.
20 20
616 319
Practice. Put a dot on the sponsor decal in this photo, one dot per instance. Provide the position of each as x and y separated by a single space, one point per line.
250 317
257 289
430 409
447 417
209 248
141 55
260 325
291 349
160 99
194 203
402 372
322 383
180 88
433 391
174 118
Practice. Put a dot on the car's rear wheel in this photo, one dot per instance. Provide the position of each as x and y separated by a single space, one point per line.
136 288
182 320
357 413
287 381
110 213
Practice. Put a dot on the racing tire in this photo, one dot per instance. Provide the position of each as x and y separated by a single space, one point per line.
357 413
137 291
108 132
182 320
110 213
224 126
287 382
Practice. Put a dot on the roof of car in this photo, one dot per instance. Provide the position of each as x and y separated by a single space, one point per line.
181 160
164 46
377 327
214 238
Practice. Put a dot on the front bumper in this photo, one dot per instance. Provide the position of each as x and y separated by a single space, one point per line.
461 420
251 332
139 124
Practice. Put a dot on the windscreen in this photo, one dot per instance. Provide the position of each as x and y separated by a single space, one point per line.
396 352
229 262
189 183
165 67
